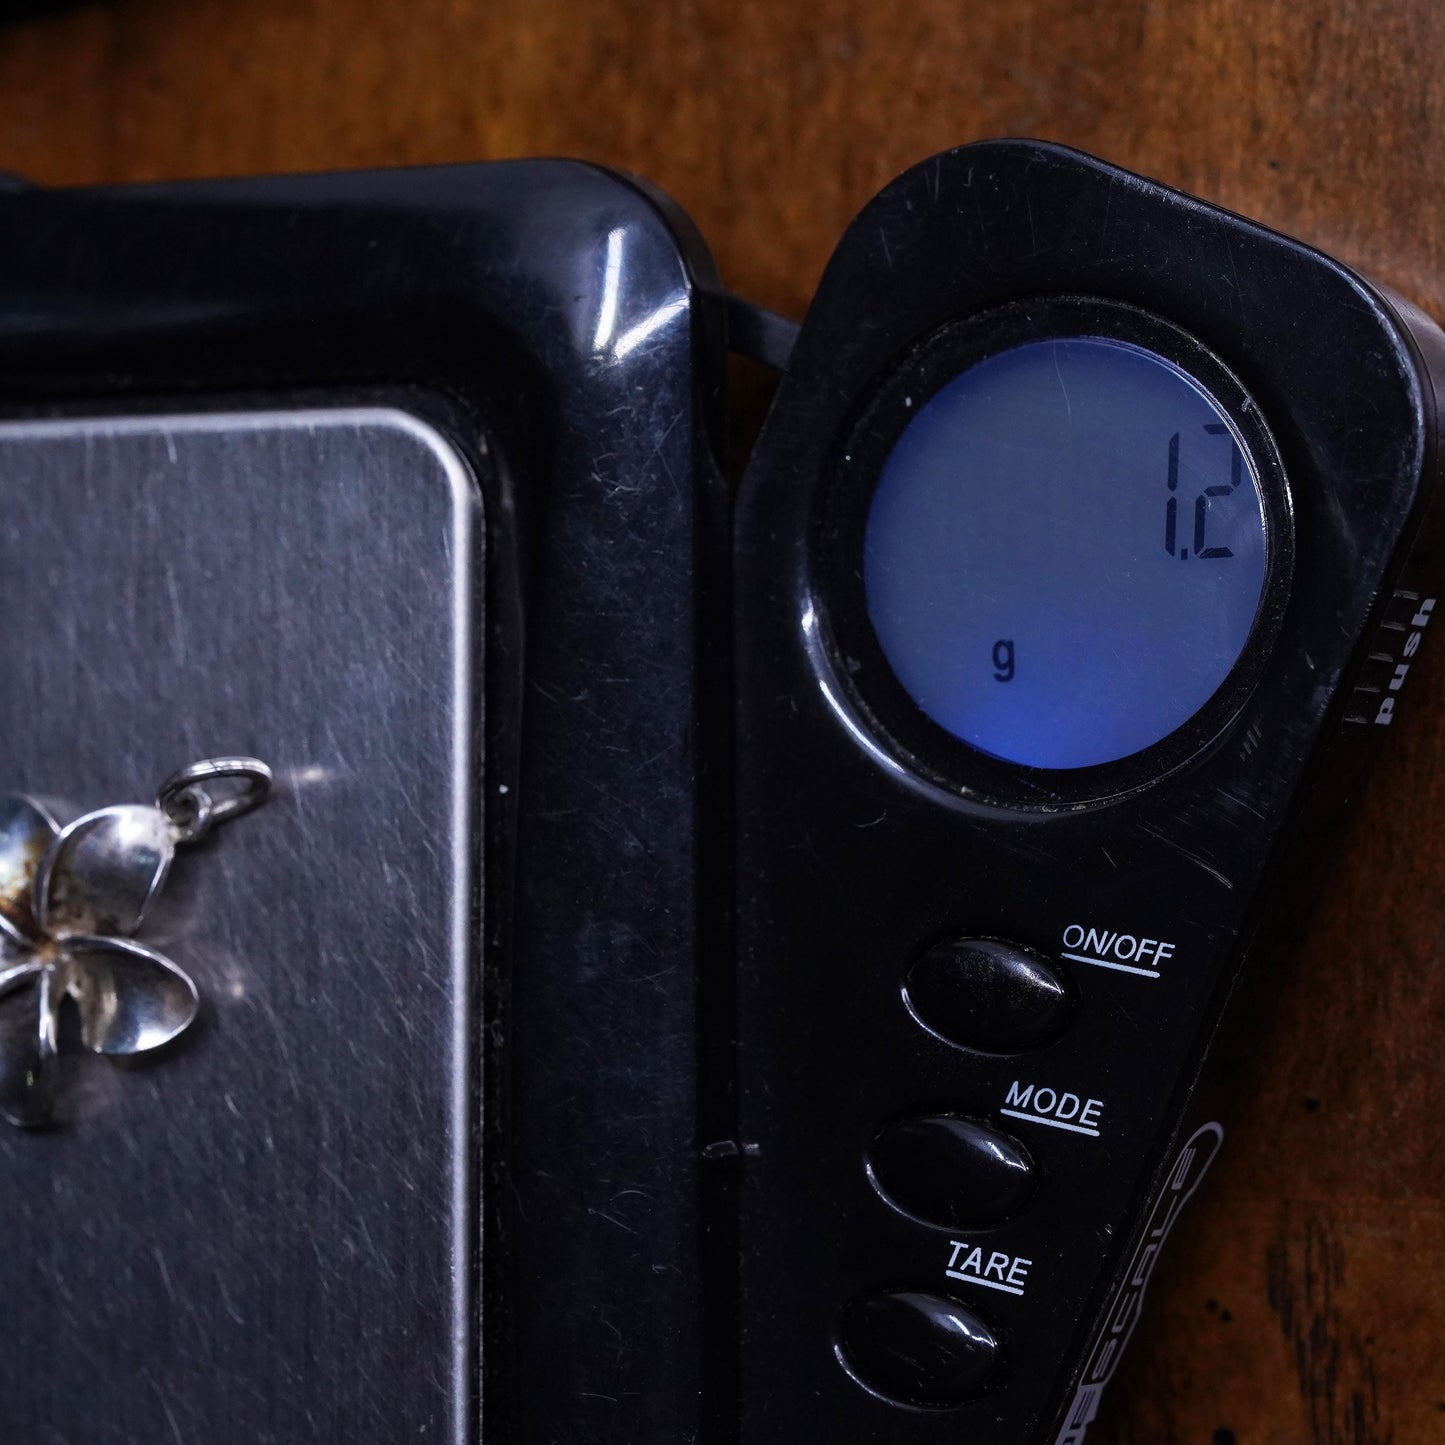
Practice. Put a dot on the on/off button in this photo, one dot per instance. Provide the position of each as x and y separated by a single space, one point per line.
985 993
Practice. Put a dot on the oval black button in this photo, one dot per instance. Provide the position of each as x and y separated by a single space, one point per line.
918 1347
981 993
949 1171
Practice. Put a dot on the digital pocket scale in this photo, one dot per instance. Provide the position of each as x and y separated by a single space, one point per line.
1081 565
748 970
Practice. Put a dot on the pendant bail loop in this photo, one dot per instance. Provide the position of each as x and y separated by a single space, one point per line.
194 807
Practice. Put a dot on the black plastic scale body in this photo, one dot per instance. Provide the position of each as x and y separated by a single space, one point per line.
976 998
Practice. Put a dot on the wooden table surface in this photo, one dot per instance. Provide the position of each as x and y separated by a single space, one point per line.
1303 1300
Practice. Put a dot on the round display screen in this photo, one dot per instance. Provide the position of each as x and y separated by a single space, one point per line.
1065 552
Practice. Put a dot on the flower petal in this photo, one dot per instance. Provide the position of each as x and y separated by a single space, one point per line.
26 831
100 873
131 998
27 1044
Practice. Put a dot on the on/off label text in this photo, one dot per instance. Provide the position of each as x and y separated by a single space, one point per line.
1115 949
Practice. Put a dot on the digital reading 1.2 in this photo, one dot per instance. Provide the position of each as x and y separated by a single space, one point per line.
1065 552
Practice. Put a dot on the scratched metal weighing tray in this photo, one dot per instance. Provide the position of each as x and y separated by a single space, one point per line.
289 1181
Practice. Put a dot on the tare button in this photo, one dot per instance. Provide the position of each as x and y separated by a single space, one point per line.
918 1347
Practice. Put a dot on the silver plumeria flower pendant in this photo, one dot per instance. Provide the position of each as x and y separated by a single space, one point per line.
70 900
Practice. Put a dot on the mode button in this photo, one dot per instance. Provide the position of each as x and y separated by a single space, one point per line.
949 1171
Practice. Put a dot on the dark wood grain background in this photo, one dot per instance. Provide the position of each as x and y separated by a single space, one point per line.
1305 1299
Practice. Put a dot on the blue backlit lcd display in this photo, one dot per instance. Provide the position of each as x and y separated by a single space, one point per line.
1065 552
